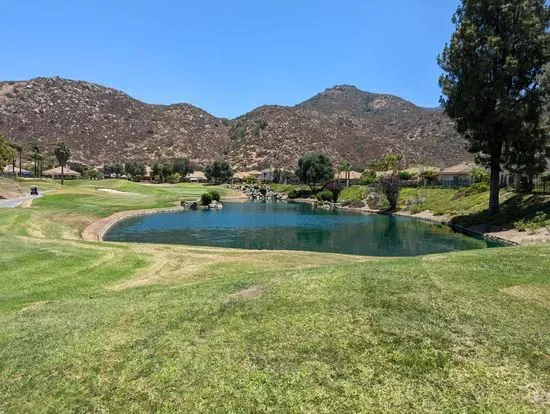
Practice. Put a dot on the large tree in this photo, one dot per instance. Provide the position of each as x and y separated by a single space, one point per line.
314 169
491 87
62 154
219 172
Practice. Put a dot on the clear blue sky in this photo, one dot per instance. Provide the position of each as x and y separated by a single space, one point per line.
230 56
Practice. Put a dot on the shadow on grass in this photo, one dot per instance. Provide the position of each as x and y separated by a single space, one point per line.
520 206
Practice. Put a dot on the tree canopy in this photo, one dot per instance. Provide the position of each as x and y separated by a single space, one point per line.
490 84
219 172
62 154
7 151
135 169
315 169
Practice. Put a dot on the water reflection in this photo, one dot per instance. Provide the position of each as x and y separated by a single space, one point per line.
282 226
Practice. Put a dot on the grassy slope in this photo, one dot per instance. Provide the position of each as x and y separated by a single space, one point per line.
90 327
472 209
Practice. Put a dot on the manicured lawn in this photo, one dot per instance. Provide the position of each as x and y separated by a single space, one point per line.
88 327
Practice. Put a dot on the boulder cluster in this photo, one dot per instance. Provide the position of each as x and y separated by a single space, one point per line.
196 205
259 192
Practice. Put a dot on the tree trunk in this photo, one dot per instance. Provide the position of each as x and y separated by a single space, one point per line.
20 152
494 203
13 167
62 177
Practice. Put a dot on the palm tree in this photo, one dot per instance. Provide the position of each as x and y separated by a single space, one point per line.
18 150
34 155
62 153
346 166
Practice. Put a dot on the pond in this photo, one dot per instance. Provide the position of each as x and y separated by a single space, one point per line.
295 226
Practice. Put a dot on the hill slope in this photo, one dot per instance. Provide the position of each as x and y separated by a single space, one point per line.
103 125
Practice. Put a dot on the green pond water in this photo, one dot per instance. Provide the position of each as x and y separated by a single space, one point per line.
295 226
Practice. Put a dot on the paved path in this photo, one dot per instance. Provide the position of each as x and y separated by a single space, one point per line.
16 202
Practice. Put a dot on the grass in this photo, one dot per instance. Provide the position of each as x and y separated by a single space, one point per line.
87 327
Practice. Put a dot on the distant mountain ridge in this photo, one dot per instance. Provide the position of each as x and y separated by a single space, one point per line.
105 125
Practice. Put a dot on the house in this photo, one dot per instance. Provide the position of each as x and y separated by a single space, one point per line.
253 173
456 175
10 170
55 173
238 177
353 176
196 177
266 175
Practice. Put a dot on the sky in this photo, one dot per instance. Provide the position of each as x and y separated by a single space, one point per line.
231 56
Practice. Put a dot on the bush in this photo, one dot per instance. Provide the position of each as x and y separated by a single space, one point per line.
292 194
354 204
325 195
405 175
538 222
174 178
215 195
206 199
368 177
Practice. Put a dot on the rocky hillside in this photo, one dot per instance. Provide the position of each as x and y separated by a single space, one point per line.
105 125
346 123
101 124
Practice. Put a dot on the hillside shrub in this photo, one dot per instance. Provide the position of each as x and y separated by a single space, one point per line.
206 199
404 175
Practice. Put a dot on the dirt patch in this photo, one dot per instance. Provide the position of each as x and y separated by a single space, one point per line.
539 294
251 292
111 191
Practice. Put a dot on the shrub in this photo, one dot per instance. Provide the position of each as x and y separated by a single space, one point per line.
325 195
174 178
354 204
250 180
292 194
404 175
368 177
206 199
215 195
538 222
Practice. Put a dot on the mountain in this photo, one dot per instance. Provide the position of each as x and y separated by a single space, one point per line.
105 125
101 124
346 122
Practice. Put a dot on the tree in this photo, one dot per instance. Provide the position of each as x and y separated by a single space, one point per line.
162 170
479 175
314 169
182 166
490 84
35 156
368 177
62 154
390 186
7 152
135 169
219 172
277 175
346 166
387 162
117 169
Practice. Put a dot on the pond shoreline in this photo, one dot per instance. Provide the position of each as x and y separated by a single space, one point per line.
97 230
